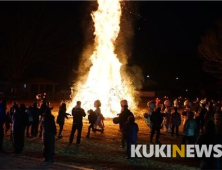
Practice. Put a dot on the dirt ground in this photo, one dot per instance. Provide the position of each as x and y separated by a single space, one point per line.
100 151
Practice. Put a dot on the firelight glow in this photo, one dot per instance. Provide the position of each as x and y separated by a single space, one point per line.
104 81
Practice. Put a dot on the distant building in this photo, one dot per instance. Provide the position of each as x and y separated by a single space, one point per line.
28 89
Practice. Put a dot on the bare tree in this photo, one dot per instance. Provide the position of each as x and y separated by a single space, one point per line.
210 50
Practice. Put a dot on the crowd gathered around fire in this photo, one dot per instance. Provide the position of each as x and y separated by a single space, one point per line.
202 124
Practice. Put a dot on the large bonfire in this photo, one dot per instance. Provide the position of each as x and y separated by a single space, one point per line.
104 81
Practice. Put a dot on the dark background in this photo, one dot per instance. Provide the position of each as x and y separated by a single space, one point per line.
164 43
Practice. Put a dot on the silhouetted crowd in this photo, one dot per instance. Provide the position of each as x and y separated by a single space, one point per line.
202 124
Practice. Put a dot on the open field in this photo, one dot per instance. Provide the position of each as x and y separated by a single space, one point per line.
101 150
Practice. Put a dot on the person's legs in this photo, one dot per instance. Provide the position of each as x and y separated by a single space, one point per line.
60 129
157 135
79 134
72 133
128 149
27 129
184 139
123 140
172 130
89 128
152 134
177 131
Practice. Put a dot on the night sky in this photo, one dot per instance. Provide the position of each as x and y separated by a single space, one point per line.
164 43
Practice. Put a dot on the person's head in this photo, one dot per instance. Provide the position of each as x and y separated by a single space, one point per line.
131 119
190 115
158 109
22 107
78 103
63 105
97 103
209 127
175 109
124 104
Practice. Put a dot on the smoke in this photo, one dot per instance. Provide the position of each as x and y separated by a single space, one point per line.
124 44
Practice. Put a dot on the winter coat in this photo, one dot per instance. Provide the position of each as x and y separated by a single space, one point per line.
130 131
61 116
19 121
176 119
48 127
189 127
156 118
92 117
78 113
123 117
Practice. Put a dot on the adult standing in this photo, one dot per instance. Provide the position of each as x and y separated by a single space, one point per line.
61 118
19 120
123 117
156 119
176 121
48 135
78 113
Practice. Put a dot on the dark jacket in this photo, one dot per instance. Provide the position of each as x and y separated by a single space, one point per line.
123 117
48 126
92 117
19 121
78 113
130 131
36 113
61 116
156 118
189 127
176 119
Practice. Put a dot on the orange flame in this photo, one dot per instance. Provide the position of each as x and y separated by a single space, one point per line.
104 81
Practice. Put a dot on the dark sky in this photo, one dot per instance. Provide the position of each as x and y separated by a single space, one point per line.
164 45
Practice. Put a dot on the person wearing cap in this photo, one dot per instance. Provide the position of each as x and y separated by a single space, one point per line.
123 117
78 113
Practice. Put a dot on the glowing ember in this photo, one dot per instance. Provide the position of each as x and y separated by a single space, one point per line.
104 81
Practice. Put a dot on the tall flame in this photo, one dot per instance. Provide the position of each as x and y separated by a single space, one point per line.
104 80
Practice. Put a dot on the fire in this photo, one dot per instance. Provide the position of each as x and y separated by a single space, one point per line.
104 81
